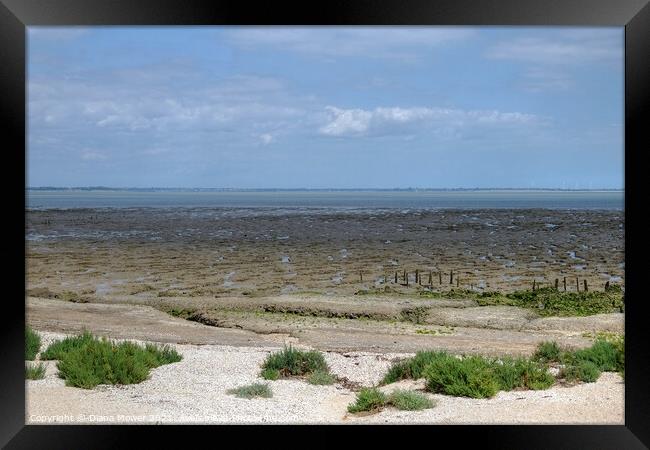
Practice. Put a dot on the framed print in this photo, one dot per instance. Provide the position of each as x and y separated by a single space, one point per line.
359 213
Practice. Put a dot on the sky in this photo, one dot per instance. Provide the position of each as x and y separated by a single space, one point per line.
326 107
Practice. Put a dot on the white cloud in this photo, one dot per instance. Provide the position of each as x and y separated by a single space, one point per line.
396 120
92 155
266 138
542 79
570 47
373 42
156 103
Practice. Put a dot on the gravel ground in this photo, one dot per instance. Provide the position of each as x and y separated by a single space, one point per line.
194 391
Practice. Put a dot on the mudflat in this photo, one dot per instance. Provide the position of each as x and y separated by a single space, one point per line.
217 252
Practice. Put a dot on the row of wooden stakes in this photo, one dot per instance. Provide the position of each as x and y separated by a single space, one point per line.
418 280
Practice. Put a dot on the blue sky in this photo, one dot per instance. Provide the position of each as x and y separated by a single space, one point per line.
326 107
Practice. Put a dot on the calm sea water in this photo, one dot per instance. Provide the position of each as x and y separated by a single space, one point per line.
506 199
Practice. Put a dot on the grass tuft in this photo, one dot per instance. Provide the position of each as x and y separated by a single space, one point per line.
522 373
292 362
409 400
607 356
32 344
85 361
321 378
252 390
581 370
412 367
368 400
34 371
270 374
547 352
550 302
473 376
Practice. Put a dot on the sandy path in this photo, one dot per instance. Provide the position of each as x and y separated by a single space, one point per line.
147 323
134 322
194 391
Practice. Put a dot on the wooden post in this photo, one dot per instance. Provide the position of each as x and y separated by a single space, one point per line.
396 277
431 278
607 286
451 276
406 277
440 278
533 285
564 284
457 282
586 288
577 284
556 284
417 276
361 276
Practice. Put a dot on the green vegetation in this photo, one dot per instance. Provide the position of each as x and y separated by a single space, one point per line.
512 373
85 361
32 344
470 376
373 400
179 312
581 370
550 302
321 378
409 400
71 296
547 352
481 377
415 315
57 349
270 374
546 301
368 400
587 364
34 371
411 367
607 354
292 362
473 376
252 391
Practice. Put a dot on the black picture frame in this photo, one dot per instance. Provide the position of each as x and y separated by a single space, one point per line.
634 15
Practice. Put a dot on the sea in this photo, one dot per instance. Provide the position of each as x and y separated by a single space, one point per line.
329 199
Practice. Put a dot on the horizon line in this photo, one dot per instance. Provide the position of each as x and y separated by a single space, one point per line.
112 188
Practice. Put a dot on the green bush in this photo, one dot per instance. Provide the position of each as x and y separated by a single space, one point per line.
85 361
580 370
547 352
550 302
252 391
321 378
412 367
368 399
472 376
270 374
607 356
32 344
34 371
290 361
57 349
514 373
409 400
